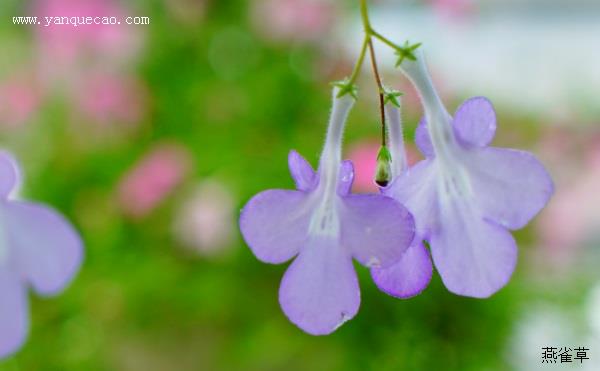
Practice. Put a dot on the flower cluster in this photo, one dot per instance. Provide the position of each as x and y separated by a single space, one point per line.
463 200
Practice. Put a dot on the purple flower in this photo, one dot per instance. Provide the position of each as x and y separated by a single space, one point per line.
38 249
412 273
325 226
466 196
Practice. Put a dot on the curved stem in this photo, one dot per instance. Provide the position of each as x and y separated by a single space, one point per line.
384 40
359 62
364 13
380 88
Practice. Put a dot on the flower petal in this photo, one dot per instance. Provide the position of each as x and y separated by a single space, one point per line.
416 189
346 177
423 140
319 291
9 174
409 276
376 229
274 224
14 313
48 249
303 174
475 122
510 186
475 257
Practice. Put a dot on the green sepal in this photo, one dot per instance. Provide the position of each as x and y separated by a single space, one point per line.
346 87
407 51
391 96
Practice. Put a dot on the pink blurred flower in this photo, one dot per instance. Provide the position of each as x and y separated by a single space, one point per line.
66 49
302 20
453 8
88 62
572 217
153 178
110 99
205 223
19 101
364 157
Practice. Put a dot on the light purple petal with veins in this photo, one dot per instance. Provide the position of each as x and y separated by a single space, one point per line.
274 224
409 276
303 174
475 122
47 248
366 224
346 178
9 174
412 272
326 227
416 189
466 195
320 291
14 312
475 257
512 186
474 125
422 139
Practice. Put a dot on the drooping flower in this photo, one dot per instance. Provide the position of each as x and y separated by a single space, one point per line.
412 273
465 195
325 226
38 249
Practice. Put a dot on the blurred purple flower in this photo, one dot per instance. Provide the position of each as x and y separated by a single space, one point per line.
465 196
153 178
301 20
205 222
412 273
38 249
325 226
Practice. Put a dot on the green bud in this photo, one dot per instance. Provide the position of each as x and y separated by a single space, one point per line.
383 172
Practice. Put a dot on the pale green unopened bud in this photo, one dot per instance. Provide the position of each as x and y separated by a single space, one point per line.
383 172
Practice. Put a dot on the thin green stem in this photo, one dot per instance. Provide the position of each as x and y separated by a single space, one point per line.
359 62
364 13
384 40
368 32
380 89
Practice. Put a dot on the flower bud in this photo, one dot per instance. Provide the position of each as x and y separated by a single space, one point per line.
383 171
